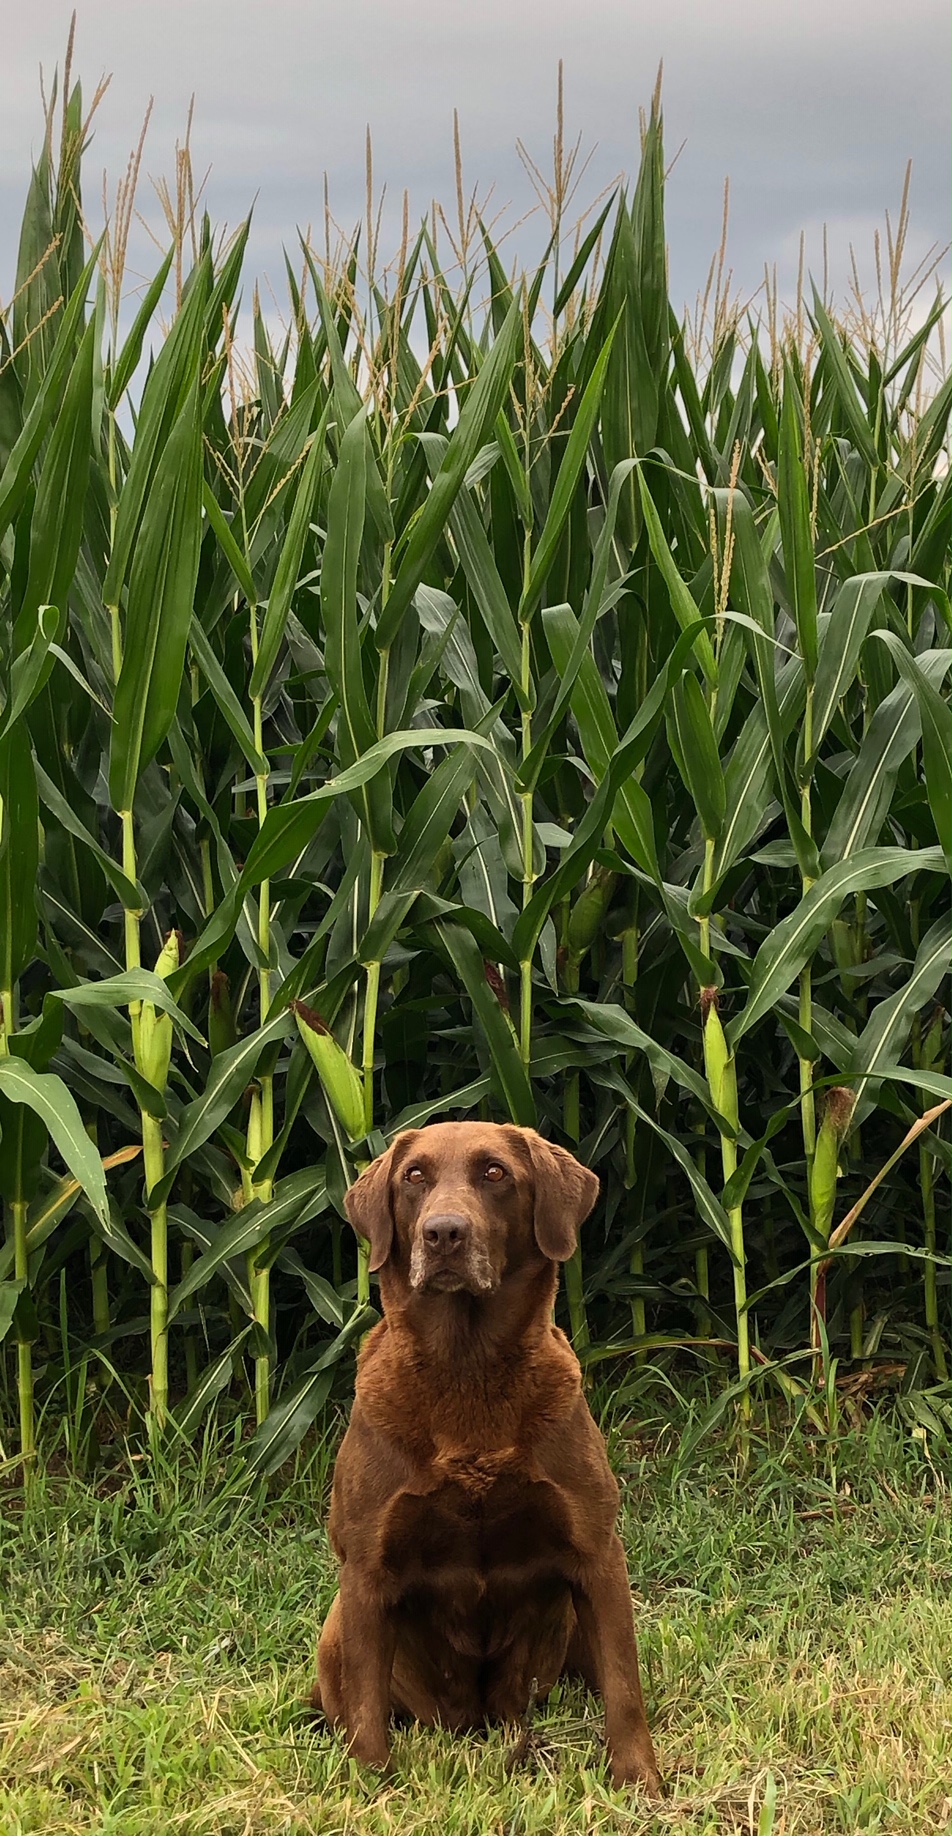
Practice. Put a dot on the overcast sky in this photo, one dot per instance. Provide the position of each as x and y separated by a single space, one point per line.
811 107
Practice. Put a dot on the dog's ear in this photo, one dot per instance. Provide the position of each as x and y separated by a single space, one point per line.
368 1207
565 1192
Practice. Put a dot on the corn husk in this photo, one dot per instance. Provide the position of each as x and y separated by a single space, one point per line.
155 1028
340 1081
588 912
719 1062
824 1172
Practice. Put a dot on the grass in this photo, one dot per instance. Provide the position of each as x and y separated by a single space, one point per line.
157 1642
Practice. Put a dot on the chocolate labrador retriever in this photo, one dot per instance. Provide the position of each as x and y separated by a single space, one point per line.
473 1508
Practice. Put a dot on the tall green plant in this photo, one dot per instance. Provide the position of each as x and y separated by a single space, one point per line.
447 711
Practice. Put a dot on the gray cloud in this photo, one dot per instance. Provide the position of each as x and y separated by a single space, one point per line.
812 108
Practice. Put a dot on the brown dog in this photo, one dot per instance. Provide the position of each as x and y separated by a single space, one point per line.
473 1507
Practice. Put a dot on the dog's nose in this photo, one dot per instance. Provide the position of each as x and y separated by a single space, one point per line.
446 1233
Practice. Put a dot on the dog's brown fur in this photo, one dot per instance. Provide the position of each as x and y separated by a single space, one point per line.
473 1506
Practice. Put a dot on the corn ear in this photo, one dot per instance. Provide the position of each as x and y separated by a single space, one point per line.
824 1171
588 912
255 1136
154 1033
340 1080
719 1062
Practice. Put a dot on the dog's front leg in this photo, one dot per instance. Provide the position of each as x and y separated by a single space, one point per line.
368 1639
606 1623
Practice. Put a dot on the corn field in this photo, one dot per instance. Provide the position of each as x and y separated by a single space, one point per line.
491 696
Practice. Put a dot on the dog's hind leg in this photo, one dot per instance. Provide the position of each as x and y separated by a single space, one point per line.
580 1660
327 1694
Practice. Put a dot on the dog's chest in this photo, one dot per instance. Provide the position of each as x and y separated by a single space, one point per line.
480 1522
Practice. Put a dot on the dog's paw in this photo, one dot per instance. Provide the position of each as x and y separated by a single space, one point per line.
637 1769
370 1750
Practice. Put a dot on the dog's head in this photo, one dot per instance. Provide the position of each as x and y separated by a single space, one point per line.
459 1206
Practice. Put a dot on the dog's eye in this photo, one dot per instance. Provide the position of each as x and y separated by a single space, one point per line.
414 1175
495 1172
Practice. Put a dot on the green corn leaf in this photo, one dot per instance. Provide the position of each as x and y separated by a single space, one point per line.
440 614
116 1237
613 1023
695 751
752 594
226 700
324 1299
840 646
345 389
420 1113
709 1207
10 1292
936 723
199 1231
56 525
214 1378
164 397
16 474
580 262
511 1074
574 662
426 829
356 731
19 856
284 1428
132 895
229 1074
750 584
845 387
227 543
288 828
119 990
161 594
627 756
866 795
749 780
47 1096
127 361
515 467
288 1422
631 815
28 671
793 942
932 1082
477 416
289 563
844 638
738 1186
482 574
297 1199
569 473
887 1029
44 1215
22 1145
794 506
347 403
629 421
682 604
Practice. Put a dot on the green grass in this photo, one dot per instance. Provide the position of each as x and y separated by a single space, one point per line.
157 1642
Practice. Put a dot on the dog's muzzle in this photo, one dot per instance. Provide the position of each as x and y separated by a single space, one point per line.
447 1258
